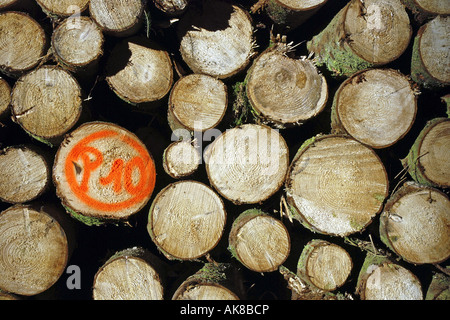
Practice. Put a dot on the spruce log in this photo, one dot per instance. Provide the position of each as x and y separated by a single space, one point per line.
24 174
181 159
172 7
5 97
77 45
212 282
430 66
439 288
46 103
216 39
324 265
427 161
381 279
139 71
22 43
103 173
197 102
284 91
130 274
63 8
336 185
186 220
247 164
362 35
259 241
120 18
424 9
376 107
290 14
415 224
34 250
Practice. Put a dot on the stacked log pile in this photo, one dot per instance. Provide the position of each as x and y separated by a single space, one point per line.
233 150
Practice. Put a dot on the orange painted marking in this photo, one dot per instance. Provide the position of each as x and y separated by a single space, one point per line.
120 174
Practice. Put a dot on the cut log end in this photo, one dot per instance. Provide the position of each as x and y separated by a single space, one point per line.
103 172
336 184
23 43
197 102
63 8
34 250
186 220
376 107
46 102
414 224
180 159
247 164
430 7
216 40
139 71
5 97
172 7
283 90
291 13
24 175
259 241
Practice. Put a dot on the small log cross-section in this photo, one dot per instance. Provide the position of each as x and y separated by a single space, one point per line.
130 274
381 279
103 173
120 18
336 185
5 97
362 35
197 102
216 39
212 282
324 265
285 91
63 8
172 7
424 9
376 107
186 220
139 71
46 103
181 159
430 62
24 174
247 164
259 241
33 250
22 43
427 161
77 44
415 224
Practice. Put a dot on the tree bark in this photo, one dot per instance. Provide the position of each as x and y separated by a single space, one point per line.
324 265
427 160
24 174
181 159
216 39
259 241
103 173
139 71
63 8
172 7
429 63
215 281
197 102
284 91
23 43
130 274
34 250
119 18
247 164
336 185
381 279
376 107
361 36
77 45
5 98
186 220
439 288
414 224
46 103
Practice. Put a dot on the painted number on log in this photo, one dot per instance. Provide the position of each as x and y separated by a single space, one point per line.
120 176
